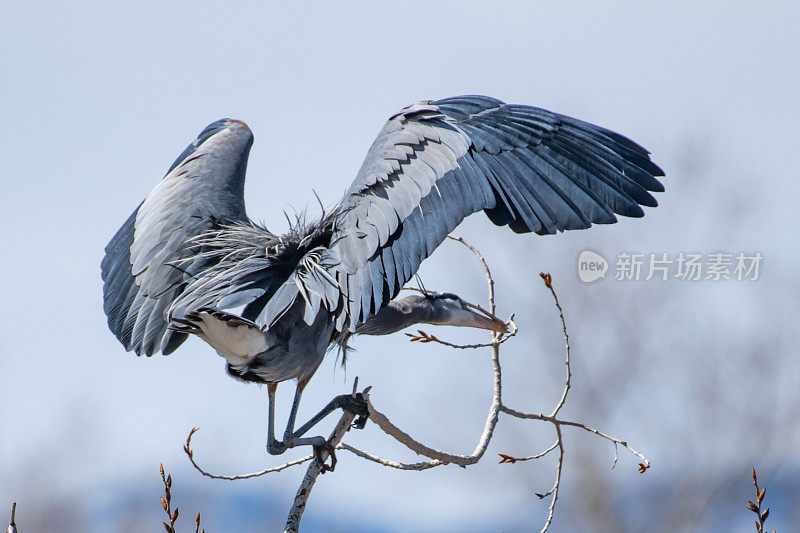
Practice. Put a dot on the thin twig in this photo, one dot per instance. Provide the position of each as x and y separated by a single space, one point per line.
762 515
190 453
12 525
616 456
166 504
496 341
166 501
509 459
489 279
548 281
551 509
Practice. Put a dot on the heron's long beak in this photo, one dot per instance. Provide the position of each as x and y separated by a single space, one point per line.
487 322
473 319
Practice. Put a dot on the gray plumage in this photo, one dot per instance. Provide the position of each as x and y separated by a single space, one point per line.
189 261
205 186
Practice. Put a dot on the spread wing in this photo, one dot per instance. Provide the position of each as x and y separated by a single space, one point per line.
202 188
435 163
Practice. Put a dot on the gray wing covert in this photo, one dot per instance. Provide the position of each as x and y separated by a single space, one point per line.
435 163
141 278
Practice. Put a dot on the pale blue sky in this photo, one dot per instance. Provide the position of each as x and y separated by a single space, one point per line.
99 98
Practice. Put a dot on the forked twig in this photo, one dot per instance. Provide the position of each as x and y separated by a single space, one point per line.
557 423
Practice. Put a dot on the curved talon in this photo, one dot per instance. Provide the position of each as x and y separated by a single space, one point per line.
357 405
360 422
318 449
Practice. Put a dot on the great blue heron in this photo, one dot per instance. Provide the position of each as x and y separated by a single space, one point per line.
190 261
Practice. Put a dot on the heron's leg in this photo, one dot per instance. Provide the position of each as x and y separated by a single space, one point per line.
274 447
289 433
291 439
353 404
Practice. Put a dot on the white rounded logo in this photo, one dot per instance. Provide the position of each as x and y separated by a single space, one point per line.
591 266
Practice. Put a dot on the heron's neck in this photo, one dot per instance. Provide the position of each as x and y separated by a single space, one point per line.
397 315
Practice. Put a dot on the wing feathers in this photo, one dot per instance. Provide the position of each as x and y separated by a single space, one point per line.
526 167
139 270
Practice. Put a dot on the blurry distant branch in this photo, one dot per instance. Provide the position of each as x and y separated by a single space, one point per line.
166 504
437 457
756 507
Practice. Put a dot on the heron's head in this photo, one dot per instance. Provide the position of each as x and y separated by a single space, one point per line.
230 139
450 310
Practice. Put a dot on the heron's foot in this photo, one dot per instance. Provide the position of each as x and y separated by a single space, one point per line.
357 405
275 447
320 445
327 447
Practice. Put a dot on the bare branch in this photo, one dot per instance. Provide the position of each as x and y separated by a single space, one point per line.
383 422
489 280
388 462
315 468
